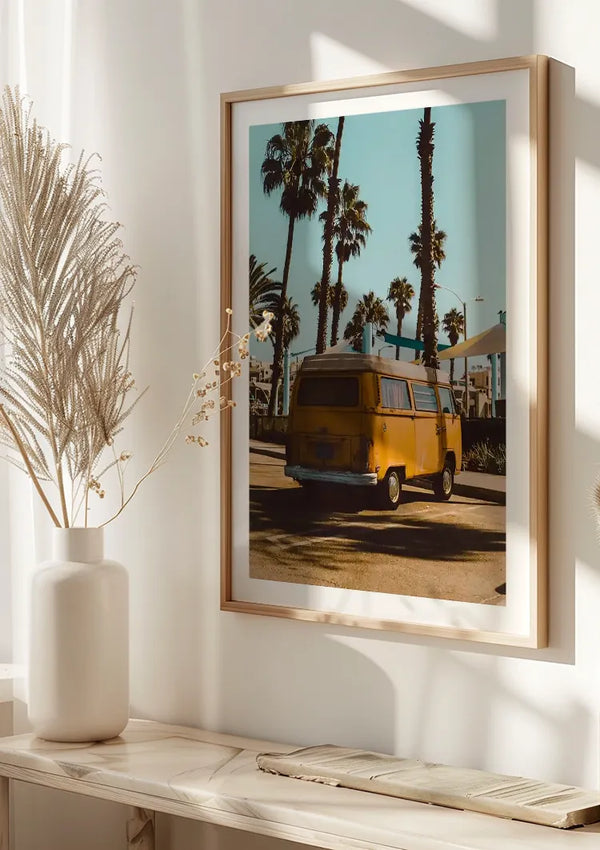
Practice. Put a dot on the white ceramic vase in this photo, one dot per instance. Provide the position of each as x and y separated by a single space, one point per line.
79 641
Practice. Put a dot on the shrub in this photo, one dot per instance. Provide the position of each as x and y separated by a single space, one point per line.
484 457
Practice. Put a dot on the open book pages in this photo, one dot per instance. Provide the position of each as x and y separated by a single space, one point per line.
505 796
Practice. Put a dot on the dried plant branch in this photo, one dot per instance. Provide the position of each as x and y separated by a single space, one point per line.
28 466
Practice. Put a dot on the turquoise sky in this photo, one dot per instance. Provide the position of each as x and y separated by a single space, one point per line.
379 154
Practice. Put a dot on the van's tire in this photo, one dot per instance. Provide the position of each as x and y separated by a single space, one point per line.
388 493
443 484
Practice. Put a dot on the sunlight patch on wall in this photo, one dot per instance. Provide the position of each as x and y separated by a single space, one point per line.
475 18
330 57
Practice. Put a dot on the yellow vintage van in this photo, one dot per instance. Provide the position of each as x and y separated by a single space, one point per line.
367 421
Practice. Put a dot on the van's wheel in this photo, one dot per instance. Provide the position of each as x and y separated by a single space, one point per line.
389 492
443 484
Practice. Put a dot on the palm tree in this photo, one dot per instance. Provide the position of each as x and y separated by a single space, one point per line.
339 304
350 230
453 324
315 297
439 238
263 292
425 148
315 294
296 161
439 255
332 204
291 322
400 293
289 329
370 308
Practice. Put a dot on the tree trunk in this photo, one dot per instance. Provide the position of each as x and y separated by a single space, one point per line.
425 149
337 305
453 339
278 351
332 203
419 331
399 317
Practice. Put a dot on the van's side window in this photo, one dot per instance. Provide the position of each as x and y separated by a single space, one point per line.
446 400
394 394
425 397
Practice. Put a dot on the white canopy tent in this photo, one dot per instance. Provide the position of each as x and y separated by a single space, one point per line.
491 341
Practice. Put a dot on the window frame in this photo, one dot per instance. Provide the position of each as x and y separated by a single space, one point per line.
452 412
418 409
406 382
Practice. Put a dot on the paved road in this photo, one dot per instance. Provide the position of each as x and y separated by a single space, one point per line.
442 550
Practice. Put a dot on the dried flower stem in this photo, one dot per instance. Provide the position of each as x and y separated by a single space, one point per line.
120 474
160 458
33 476
86 490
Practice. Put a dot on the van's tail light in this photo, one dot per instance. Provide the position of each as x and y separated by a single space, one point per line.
363 456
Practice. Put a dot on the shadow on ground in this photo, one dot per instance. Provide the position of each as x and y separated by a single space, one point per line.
339 517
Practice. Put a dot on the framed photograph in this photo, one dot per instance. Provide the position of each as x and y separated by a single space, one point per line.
386 464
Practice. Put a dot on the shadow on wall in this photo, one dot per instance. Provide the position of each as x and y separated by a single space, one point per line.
327 685
475 705
333 693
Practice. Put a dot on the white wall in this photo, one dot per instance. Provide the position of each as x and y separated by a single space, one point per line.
139 81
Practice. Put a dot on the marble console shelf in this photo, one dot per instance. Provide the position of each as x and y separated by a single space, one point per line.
211 777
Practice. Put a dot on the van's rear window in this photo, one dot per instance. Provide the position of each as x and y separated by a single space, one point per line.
328 392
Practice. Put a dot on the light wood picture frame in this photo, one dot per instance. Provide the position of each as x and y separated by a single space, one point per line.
473 139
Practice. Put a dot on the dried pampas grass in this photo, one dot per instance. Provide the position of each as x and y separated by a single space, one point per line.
65 383
63 279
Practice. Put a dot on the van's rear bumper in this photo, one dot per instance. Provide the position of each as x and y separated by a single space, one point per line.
332 476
